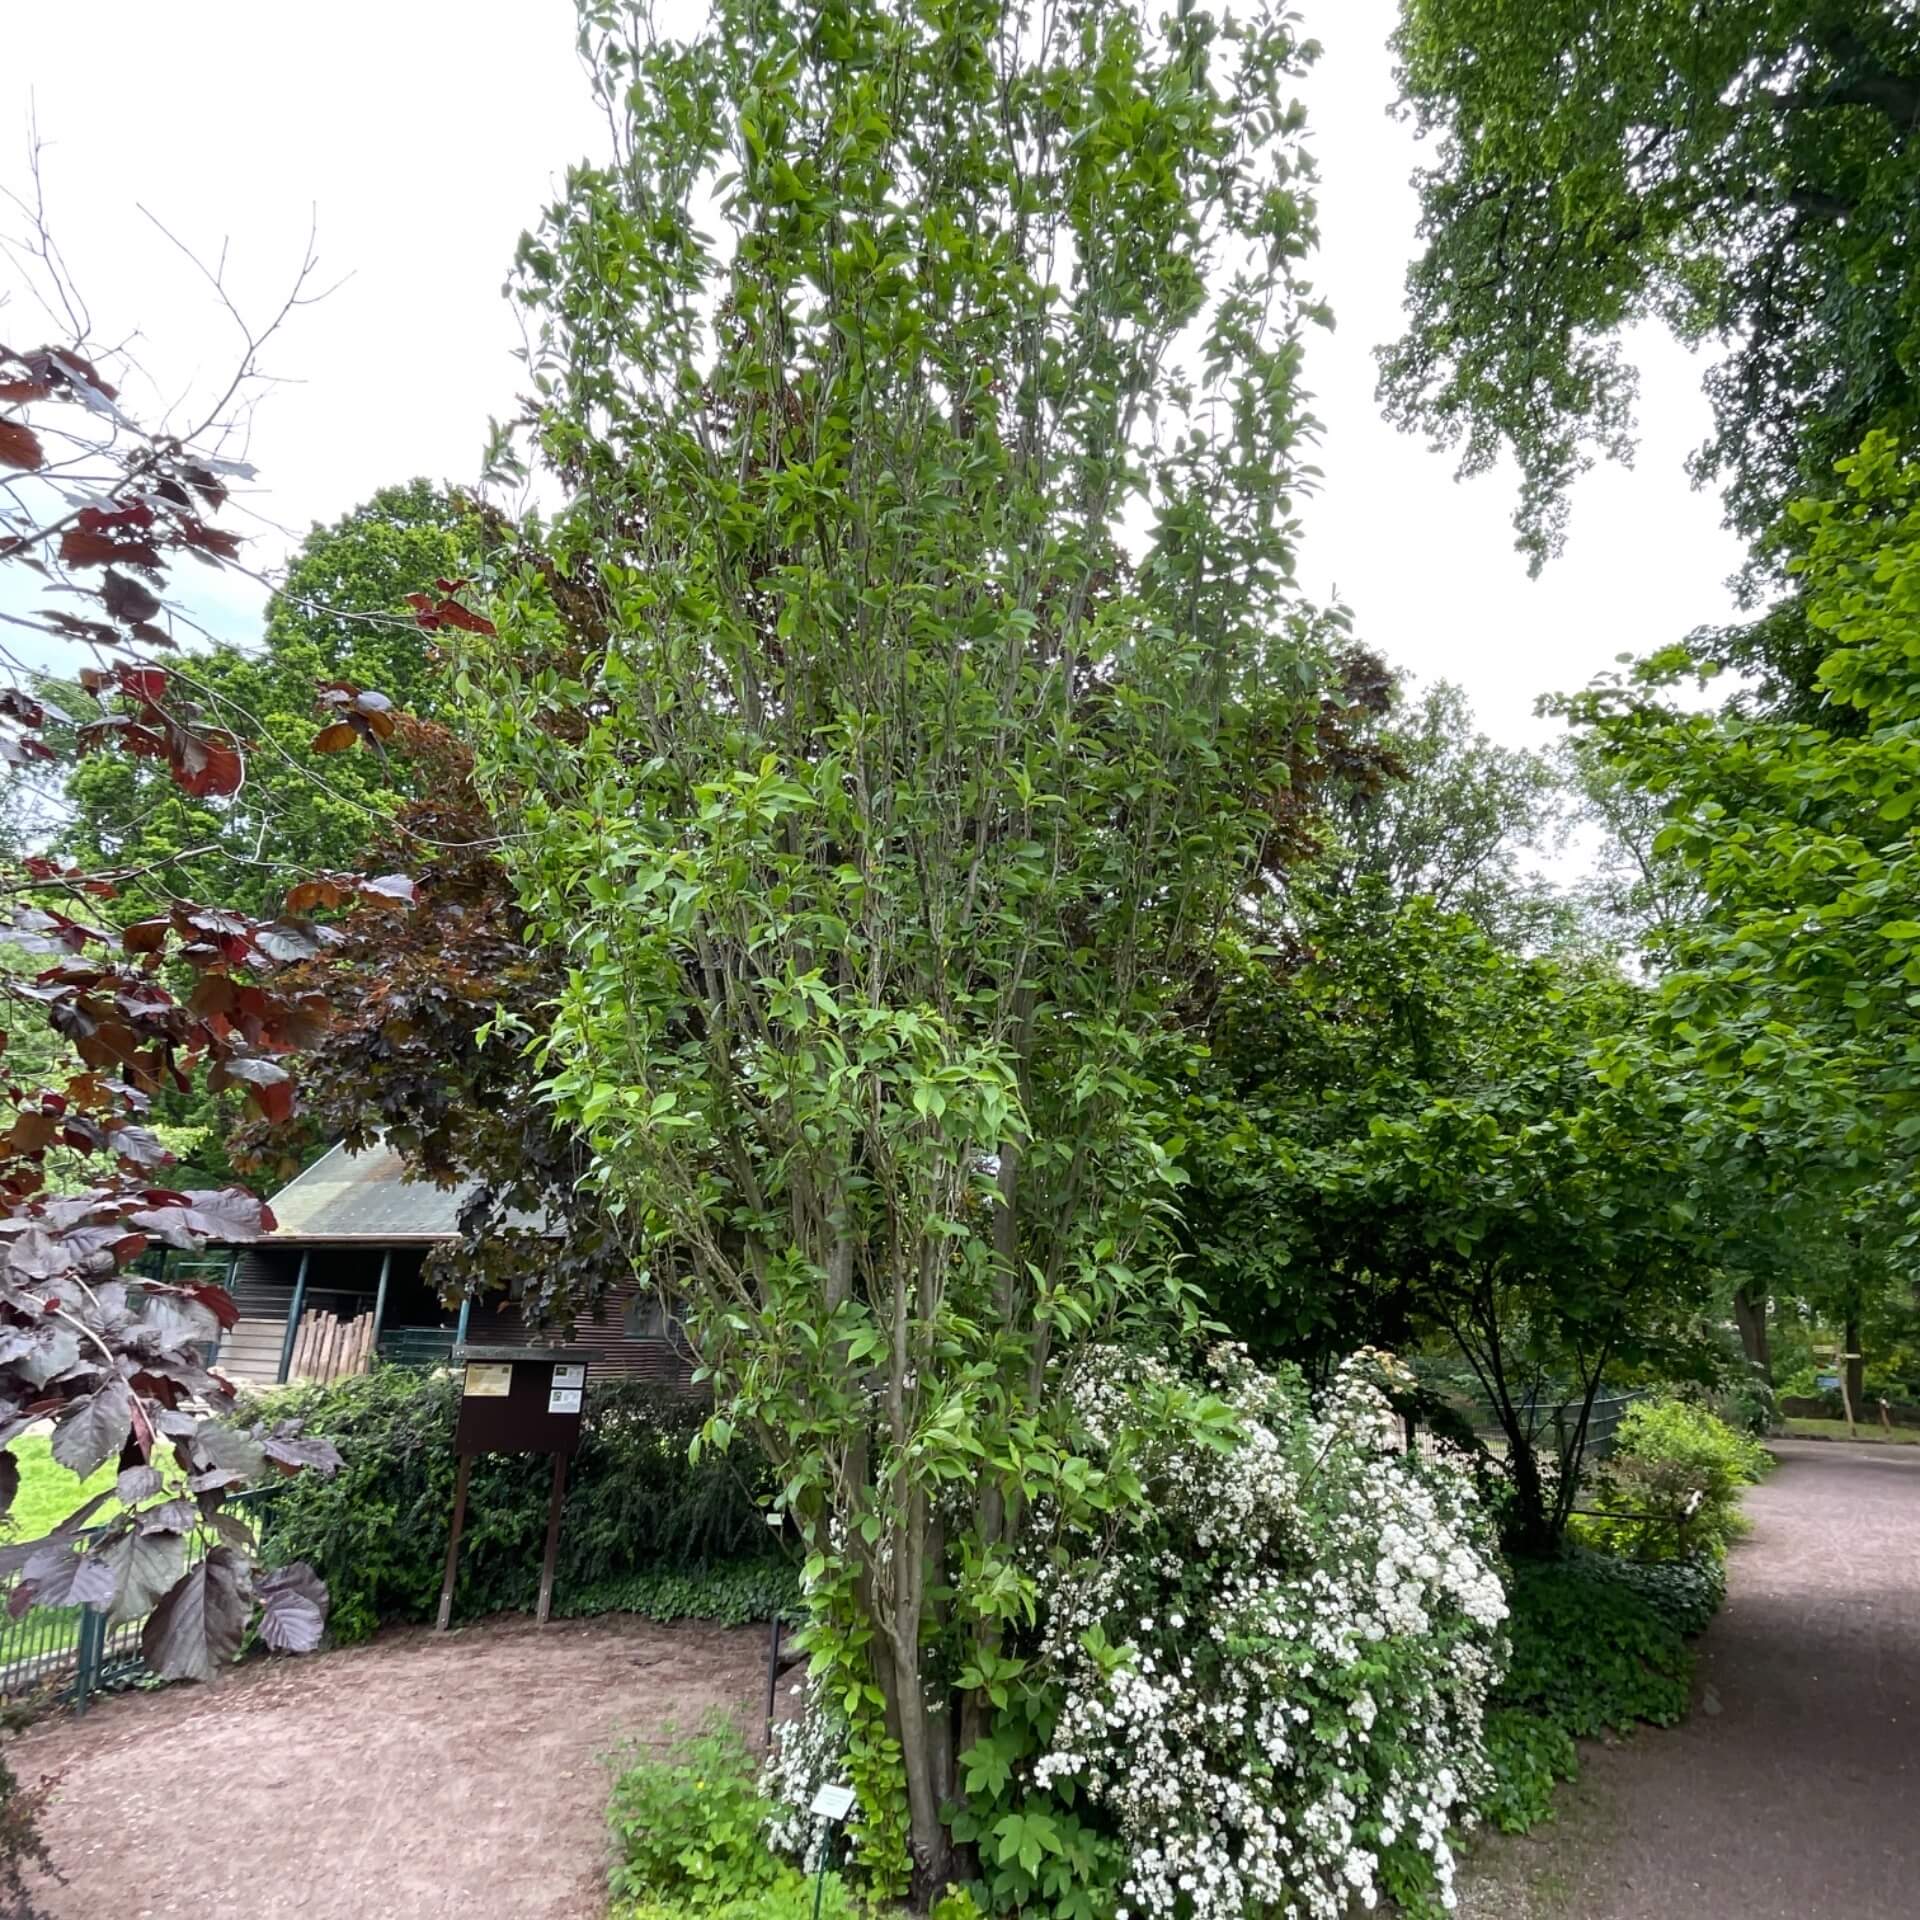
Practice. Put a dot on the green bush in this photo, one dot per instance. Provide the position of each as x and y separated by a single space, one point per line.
641 1518
1686 1594
1528 1754
689 1827
1589 1653
1672 1487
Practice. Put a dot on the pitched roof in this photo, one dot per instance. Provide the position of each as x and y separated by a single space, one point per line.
366 1198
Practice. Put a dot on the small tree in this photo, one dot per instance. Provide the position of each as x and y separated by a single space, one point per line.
885 802
1405 1136
123 994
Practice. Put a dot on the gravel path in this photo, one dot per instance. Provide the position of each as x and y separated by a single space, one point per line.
457 1776
1794 1788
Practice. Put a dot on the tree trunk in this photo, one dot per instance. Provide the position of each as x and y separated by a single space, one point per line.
1856 1365
1533 1531
929 1844
1750 1316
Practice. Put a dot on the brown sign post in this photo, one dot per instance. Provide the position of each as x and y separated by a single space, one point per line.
515 1400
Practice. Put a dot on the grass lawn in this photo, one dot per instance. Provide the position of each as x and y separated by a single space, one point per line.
48 1492
1870 1429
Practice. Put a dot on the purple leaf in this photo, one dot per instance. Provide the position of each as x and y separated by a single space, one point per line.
95 1430
301 1450
59 1576
135 1485
294 1608
145 1566
197 1627
171 1516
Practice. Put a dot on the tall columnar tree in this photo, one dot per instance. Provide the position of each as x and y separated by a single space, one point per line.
1744 172
886 795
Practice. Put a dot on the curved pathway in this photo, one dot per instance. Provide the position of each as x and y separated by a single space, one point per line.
1794 1788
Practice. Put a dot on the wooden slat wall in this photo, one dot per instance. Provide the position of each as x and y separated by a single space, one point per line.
263 1291
605 1345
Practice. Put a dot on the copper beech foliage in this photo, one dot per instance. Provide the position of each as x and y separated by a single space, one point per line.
101 510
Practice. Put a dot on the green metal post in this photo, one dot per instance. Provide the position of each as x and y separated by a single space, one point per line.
91 1652
380 1298
293 1314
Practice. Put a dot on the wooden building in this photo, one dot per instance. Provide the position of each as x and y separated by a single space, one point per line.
341 1283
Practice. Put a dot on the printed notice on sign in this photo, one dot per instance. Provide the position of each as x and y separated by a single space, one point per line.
563 1400
833 1803
573 1374
489 1383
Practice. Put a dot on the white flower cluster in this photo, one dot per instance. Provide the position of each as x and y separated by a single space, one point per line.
1281 1708
811 1752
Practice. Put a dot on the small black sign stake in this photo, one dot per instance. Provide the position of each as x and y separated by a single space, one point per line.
515 1400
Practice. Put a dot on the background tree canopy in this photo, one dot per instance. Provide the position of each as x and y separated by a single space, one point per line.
1745 173
340 616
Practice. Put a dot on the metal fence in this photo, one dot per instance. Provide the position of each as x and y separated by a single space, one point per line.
72 1652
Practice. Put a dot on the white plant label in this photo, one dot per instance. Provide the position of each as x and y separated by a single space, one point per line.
833 1803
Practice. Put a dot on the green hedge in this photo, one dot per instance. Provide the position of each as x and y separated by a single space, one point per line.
646 1530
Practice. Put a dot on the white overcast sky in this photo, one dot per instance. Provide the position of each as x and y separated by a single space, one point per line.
425 135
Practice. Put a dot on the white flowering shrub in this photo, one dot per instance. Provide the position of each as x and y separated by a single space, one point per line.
1267 1689
1259 1690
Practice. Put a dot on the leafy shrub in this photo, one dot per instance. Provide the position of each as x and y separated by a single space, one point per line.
638 1510
1298 1622
1672 1486
690 1826
1596 1644
1748 1405
733 1593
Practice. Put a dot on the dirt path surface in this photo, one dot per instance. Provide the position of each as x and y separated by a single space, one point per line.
1794 1788
419 1778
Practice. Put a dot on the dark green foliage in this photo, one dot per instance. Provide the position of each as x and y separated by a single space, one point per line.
1590 1654
1743 172
732 1593
1598 1645
639 1515
1686 1594
1529 1754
